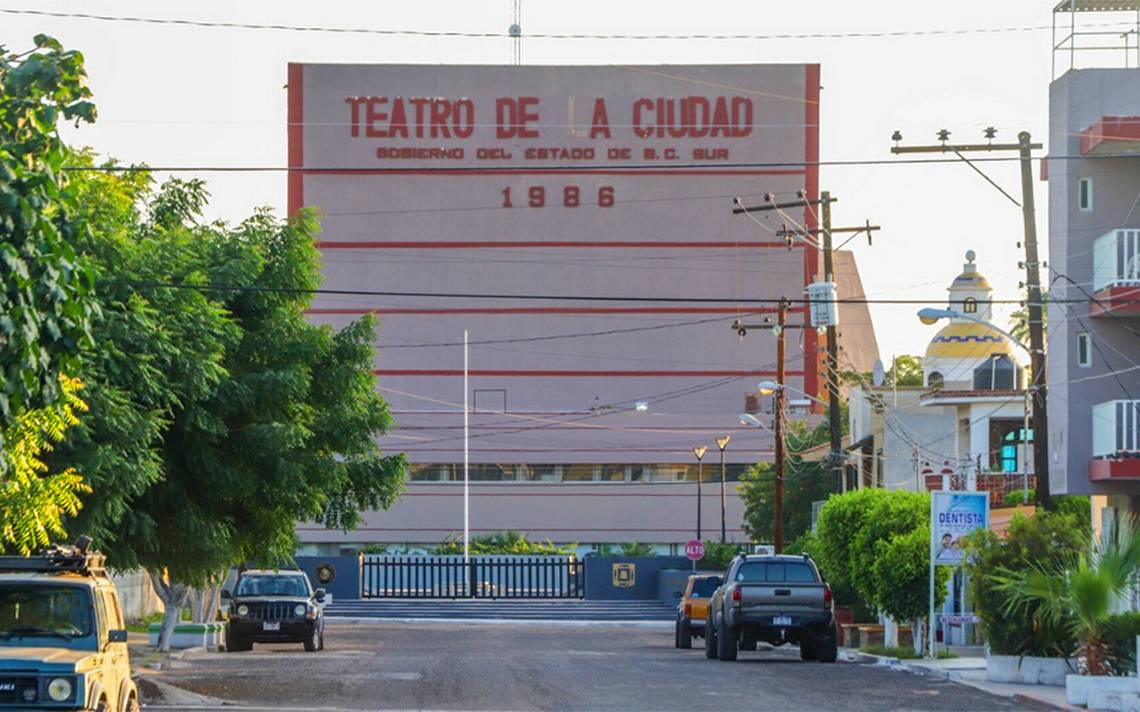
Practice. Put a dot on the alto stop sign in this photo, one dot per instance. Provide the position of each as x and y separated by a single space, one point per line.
695 550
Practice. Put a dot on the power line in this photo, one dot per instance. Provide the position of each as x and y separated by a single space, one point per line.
218 24
211 287
615 168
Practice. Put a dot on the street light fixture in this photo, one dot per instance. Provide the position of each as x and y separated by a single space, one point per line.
700 453
722 443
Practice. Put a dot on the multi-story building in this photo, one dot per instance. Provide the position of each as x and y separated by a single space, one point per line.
1093 278
583 217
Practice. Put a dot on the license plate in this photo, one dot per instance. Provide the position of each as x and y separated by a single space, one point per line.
781 620
271 625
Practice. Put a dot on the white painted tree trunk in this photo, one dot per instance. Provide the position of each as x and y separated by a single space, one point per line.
173 597
890 632
918 634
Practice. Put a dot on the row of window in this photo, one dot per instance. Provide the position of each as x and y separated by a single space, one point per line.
448 472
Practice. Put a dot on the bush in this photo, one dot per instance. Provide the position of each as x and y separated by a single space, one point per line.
843 594
839 521
634 548
898 514
1121 631
1037 538
901 561
508 542
1075 504
718 556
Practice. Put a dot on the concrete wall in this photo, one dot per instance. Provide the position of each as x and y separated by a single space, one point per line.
1076 100
346 584
136 595
599 576
566 512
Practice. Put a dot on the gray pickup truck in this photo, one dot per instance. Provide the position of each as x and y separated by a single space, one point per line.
773 599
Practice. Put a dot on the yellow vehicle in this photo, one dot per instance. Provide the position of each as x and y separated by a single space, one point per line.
693 609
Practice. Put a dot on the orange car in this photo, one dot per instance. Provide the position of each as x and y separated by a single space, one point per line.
693 610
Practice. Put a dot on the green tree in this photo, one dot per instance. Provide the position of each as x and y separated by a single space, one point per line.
839 522
508 542
1028 539
905 371
45 286
242 417
34 501
1077 590
804 483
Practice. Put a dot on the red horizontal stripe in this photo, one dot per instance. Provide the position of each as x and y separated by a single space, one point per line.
452 172
685 495
360 311
541 373
514 528
506 244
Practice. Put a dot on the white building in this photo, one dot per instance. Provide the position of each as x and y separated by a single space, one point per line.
965 428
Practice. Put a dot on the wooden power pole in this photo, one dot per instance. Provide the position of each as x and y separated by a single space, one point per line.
1038 387
778 528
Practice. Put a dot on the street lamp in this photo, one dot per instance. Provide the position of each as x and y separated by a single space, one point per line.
722 443
931 315
700 453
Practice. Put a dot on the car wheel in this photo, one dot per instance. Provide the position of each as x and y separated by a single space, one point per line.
313 642
677 633
322 640
748 644
102 706
132 704
684 634
808 649
726 641
710 639
828 650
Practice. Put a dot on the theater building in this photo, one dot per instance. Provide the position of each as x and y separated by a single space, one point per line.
577 223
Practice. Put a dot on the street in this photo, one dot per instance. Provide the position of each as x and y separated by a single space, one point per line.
535 667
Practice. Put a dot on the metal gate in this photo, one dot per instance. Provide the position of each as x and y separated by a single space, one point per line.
480 577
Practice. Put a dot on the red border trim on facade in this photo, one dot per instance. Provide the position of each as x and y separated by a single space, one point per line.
509 244
546 373
359 311
1116 301
460 172
811 185
1112 470
1115 133
296 120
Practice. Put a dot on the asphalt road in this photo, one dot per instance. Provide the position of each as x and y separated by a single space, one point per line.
535 667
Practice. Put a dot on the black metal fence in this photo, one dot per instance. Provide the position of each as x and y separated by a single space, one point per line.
480 577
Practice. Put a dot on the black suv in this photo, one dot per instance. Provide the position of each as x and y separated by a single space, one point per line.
274 607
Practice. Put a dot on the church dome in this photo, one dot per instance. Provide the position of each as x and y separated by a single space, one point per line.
967 340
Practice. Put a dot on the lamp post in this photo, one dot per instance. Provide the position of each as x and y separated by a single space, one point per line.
700 453
722 443
931 315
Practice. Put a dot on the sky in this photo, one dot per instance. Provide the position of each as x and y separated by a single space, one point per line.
178 95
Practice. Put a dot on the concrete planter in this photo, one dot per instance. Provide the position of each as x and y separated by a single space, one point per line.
1029 670
1102 692
191 635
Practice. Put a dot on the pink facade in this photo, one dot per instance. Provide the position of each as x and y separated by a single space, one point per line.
589 209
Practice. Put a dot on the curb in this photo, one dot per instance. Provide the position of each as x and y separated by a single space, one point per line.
1034 703
652 625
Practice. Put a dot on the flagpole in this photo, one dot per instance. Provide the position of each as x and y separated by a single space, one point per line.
466 462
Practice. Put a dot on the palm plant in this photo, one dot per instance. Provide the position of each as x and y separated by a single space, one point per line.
1077 591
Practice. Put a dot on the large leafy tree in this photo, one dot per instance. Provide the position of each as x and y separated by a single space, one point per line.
242 418
804 483
45 286
33 500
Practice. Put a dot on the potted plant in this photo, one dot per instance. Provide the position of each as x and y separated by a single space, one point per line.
1079 590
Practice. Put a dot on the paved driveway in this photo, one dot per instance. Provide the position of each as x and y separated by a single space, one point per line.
534 667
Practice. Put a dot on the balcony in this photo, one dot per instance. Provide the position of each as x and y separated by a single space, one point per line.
1116 441
1116 274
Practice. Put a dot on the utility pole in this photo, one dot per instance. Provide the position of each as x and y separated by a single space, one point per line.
835 425
781 321
1038 388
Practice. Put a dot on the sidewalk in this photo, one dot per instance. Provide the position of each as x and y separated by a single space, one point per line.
972 671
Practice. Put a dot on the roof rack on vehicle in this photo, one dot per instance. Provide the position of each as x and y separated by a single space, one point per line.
76 558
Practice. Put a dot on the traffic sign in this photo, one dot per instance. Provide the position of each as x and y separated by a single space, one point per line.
695 550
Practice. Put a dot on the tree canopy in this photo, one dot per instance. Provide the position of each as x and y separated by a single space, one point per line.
804 483
45 285
224 417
